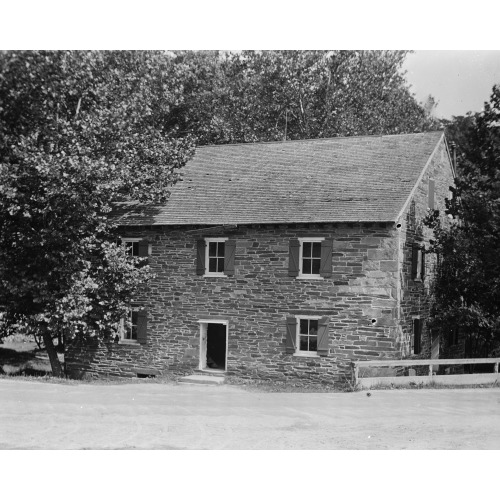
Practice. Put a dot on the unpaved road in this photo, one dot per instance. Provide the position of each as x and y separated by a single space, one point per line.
36 415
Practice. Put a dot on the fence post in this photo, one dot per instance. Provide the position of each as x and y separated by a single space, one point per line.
495 368
430 371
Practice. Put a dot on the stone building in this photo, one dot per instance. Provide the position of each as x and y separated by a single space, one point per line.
284 260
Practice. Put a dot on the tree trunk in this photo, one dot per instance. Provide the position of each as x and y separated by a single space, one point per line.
57 370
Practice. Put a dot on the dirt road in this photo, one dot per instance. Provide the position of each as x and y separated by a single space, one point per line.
36 415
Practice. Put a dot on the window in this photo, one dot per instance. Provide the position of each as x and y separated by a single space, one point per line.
418 262
133 328
215 257
129 326
307 336
136 247
310 258
416 334
431 194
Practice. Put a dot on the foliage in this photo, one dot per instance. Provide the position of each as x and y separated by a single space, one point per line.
467 288
275 95
79 131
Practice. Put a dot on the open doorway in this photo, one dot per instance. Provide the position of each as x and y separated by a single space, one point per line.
213 347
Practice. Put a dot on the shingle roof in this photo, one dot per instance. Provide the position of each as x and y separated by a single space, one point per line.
343 179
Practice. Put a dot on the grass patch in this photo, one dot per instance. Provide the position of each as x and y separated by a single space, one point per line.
280 385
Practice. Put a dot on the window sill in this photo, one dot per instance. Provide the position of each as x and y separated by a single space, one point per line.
215 275
309 277
305 354
129 342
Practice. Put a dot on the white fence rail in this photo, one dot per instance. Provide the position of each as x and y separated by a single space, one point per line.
362 368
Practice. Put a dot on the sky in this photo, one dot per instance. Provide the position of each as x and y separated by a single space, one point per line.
459 80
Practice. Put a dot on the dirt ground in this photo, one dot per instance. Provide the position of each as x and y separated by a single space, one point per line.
38 415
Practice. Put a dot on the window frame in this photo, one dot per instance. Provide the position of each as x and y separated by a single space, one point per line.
207 257
131 240
298 351
123 329
301 274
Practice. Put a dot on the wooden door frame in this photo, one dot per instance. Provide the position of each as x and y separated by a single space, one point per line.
202 365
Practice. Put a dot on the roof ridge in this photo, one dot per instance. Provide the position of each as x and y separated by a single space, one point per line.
317 139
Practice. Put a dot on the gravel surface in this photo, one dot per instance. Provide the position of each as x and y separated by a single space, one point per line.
37 415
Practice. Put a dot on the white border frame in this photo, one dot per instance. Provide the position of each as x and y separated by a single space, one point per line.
301 274
202 365
298 352
213 240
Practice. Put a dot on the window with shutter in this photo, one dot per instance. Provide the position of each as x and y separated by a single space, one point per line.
308 334
135 247
131 325
216 257
310 258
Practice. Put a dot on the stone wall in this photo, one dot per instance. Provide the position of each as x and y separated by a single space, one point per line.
360 300
370 299
414 295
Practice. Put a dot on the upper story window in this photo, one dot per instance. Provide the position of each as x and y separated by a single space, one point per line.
418 262
131 246
136 247
215 249
310 258
215 257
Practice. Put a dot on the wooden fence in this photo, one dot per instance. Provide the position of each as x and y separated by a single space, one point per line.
360 368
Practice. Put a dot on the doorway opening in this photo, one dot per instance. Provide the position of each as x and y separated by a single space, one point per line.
213 349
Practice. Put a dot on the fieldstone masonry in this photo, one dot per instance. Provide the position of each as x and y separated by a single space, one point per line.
370 299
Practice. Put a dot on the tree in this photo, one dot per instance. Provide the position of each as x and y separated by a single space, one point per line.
467 287
274 95
79 131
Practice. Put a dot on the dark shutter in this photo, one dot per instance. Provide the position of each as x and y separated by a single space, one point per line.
143 248
293 261
291 334
323 344
414 260
200 259
422 271
230 250
326 259
431 194
417 332
118 242
142 326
